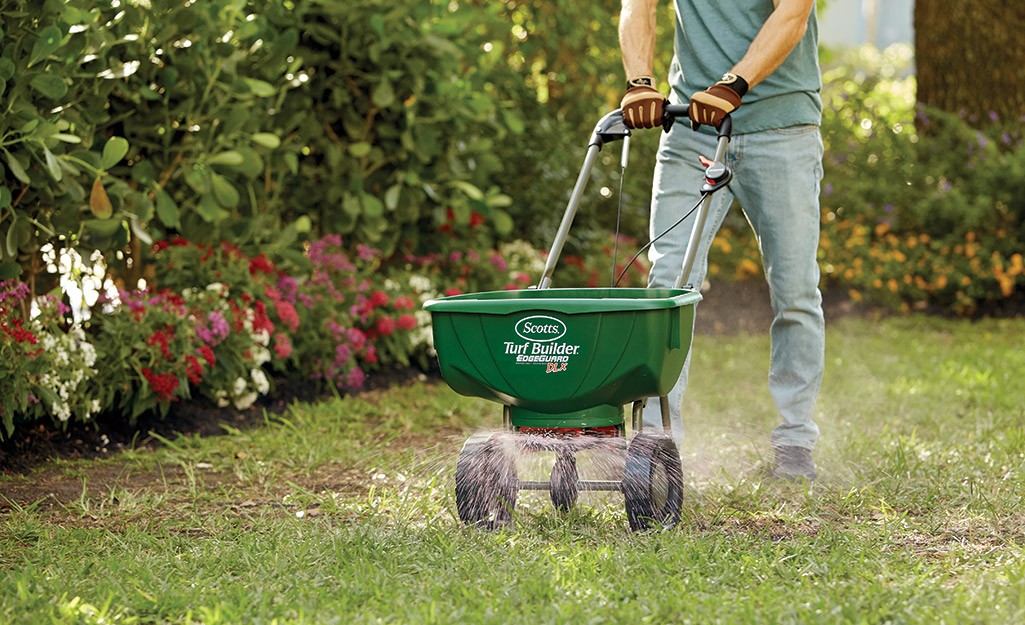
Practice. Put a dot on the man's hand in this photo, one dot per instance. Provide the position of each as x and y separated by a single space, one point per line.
715 103
642 104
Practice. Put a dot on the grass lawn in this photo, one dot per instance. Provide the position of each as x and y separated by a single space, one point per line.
342 512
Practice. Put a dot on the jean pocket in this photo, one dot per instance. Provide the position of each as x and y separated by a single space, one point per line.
796 130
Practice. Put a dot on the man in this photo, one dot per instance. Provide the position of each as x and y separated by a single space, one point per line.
768 50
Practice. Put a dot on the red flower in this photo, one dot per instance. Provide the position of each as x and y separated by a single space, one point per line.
406 322
371 356
287 315
282 346
163 384
18 333
450 291
161 339
476 219
385 325
522 278
207 354
231 250
379 298
260 319
160 246
193 369
260 264
403 302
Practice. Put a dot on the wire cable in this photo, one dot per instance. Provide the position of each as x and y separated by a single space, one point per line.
619 214
649 243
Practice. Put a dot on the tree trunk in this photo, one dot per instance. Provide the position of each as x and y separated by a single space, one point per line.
970 58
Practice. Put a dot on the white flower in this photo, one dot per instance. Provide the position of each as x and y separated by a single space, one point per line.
216 287
420 283
62 411
260 381
239 387
88 354
261 337
260 355
241 403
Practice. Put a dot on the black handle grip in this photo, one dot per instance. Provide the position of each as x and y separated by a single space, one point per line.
672 112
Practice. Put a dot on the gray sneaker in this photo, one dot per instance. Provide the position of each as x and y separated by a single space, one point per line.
794 463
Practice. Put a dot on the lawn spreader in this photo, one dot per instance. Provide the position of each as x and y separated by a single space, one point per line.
565 362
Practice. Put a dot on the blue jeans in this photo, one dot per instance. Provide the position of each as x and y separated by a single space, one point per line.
776 180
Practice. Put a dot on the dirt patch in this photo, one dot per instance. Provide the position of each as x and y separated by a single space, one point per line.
743 308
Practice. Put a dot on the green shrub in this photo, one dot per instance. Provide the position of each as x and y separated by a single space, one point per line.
919 209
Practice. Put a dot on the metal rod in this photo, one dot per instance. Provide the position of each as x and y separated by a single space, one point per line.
663 403
507 418
599 485
567 217
638 416
699 224
581 485
526 485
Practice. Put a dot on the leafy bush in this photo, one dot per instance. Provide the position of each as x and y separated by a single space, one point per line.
919 209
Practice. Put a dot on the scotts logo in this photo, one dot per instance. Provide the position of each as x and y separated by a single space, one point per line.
540 328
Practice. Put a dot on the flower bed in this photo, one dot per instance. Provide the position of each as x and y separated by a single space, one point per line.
219 323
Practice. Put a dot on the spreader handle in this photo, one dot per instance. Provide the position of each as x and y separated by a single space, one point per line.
673 112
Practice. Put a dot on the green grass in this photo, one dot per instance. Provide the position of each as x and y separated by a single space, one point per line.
342 512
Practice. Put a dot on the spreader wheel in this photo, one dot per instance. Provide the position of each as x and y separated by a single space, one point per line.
564 481
653 482
486 482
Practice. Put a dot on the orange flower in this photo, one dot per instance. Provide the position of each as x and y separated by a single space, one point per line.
1017 267
1006 284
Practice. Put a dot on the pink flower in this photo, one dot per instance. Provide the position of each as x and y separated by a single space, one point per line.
355 378
450 291
406 322
498 262
385 325
366 253
216 330
403 302
282 346
379 298
286 312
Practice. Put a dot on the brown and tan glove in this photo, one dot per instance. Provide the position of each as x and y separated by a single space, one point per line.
713 104
642 104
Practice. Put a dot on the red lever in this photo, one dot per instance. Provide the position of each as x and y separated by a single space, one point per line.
705 162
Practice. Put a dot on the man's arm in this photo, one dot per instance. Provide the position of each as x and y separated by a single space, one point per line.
777 37
637 36
642 104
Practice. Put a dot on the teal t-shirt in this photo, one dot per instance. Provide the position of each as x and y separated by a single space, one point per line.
713 35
